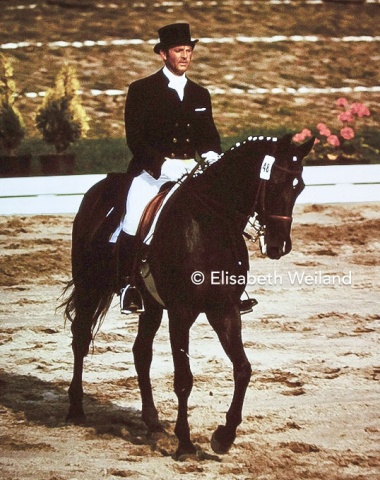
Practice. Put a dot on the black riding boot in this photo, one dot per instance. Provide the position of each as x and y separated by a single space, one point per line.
130 298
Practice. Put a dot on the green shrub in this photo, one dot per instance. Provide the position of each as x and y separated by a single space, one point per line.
61 118
12 128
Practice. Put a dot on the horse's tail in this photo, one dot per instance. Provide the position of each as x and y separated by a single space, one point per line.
89 305
68 304
88 296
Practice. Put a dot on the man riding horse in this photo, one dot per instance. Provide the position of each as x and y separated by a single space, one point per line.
200 231
168 120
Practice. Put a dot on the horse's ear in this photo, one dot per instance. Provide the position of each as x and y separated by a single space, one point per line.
286 140
284 144
306 147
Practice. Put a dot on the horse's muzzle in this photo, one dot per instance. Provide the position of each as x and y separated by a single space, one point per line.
277 242
273 251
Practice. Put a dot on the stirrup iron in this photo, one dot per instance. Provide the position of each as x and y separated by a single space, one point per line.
246 305
131 300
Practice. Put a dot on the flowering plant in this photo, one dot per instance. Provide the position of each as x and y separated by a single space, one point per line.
345 145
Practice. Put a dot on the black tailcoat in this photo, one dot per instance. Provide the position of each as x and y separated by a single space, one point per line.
158 124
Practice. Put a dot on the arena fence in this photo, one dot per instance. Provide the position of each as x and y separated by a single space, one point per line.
63 194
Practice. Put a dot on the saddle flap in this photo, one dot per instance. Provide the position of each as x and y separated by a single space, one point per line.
150 212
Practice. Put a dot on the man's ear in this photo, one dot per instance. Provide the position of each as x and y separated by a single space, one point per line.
163 55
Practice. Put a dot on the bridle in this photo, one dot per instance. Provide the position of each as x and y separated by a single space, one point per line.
260 206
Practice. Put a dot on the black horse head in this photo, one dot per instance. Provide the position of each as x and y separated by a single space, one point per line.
260 177
281 183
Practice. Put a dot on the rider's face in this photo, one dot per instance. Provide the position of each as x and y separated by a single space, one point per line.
177 59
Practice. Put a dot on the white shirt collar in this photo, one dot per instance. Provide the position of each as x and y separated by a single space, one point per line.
175 81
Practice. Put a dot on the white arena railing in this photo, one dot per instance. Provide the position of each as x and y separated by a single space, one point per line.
63 194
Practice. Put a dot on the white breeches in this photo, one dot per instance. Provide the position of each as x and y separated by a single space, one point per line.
143 188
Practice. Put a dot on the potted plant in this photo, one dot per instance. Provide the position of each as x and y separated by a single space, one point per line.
12 128
62 121
341 143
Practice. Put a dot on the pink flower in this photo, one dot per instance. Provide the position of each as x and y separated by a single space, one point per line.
306 133
346 116
347 133
360 110
364 112
342 102
323 129
321 126
333 140
325 132
300 137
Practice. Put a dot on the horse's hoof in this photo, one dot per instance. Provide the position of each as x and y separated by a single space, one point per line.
150 418
154 427
185 456
76 418
219 445
185 453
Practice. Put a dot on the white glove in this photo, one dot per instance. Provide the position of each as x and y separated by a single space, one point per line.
210 157
173 170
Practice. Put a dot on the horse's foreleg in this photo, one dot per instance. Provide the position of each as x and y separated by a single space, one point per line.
179 327
149 323
228 329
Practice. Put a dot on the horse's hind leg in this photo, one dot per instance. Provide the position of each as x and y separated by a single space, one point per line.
149 323
228 328
86 302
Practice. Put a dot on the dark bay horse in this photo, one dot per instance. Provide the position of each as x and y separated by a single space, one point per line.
197 239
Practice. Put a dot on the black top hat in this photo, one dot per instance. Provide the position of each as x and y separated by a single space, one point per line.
174 35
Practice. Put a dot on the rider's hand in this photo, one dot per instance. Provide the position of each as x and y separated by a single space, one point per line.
173 170
210 157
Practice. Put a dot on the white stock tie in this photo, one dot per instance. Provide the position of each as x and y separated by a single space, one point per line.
176 82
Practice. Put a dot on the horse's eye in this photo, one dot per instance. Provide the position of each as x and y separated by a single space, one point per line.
295 182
